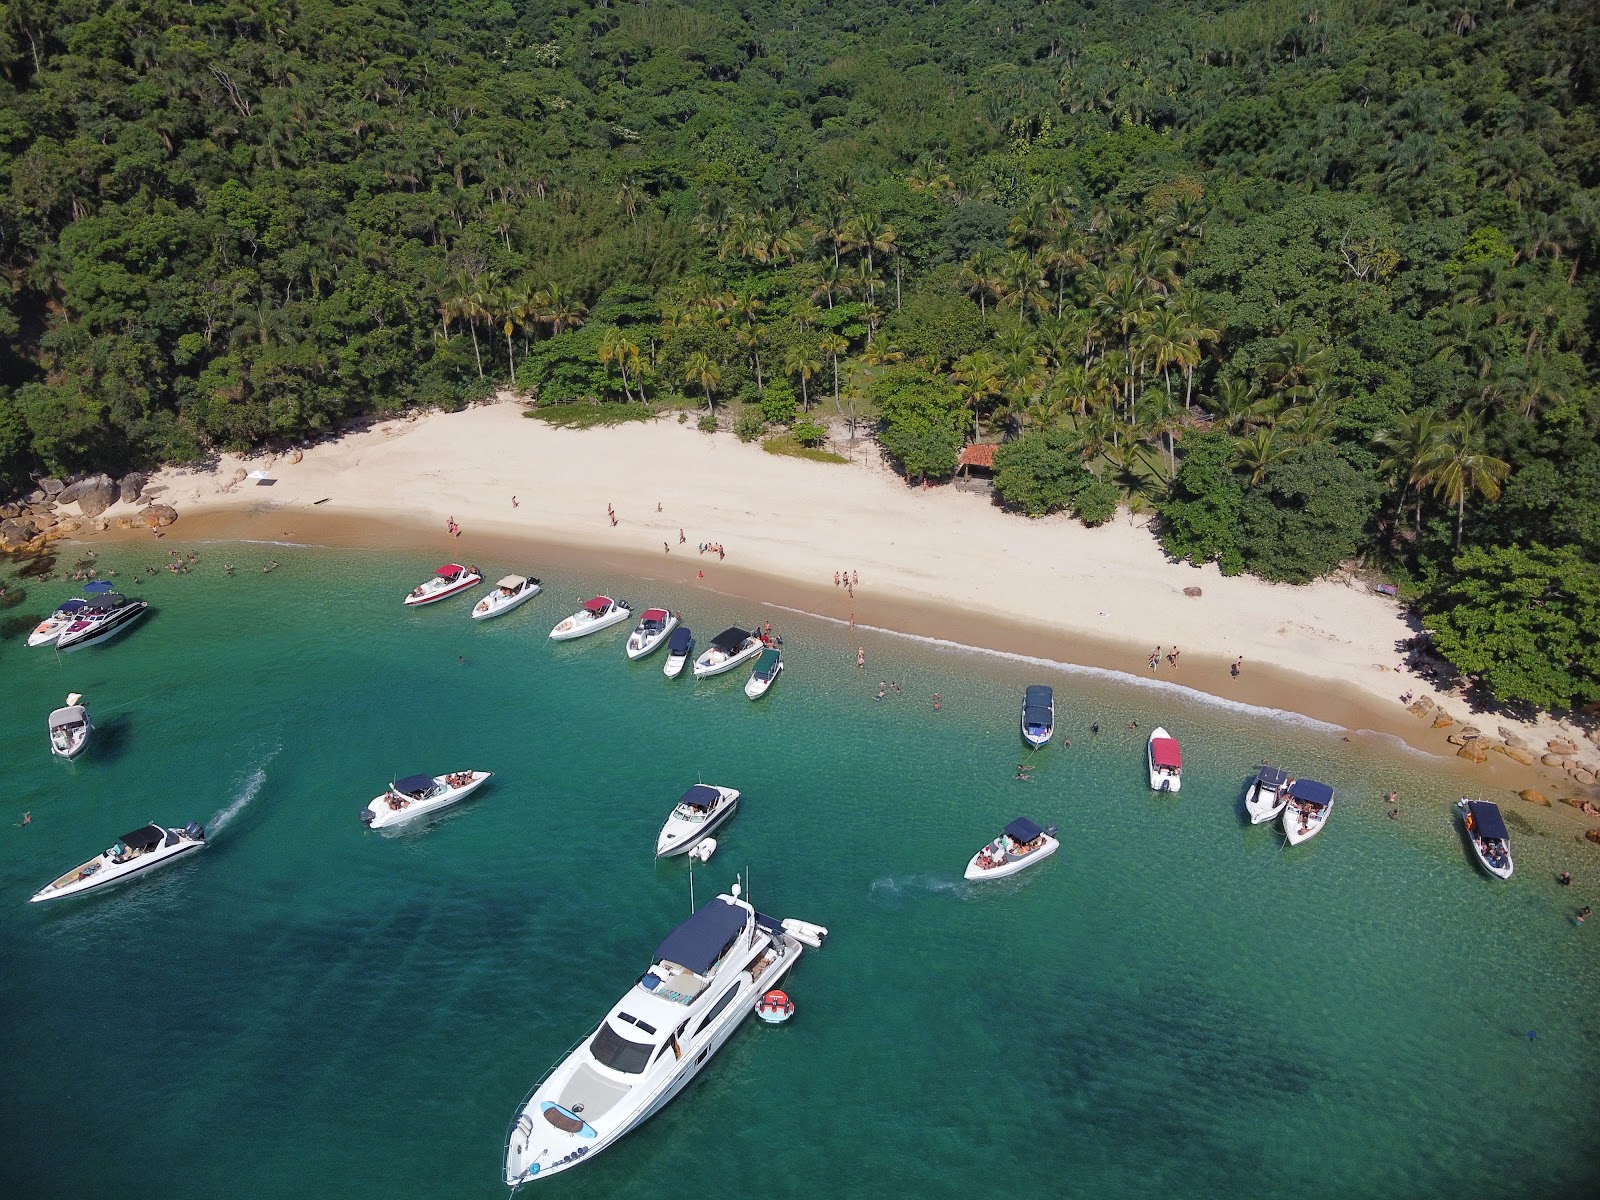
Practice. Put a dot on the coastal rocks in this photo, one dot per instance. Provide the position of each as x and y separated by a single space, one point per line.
1551 760
1192 592
1420 708
93 495
1517 754
130 487
1562 747
67 525
1471 732
1473 752
99 524
1593 834
1582 805
296 455
158 516
125 522
18 531
1534 797
1512 739
52 487
1443 720
1583 776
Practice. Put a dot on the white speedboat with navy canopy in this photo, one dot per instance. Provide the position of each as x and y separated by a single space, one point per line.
601 612
145 848
1166 762
510 592
680 648
69 728
1307 810
417 795
654 627
707 976
53 626
765 673
1486 830
1038 715
1022 844
1267 794
449 580
104 615
699 810
729 649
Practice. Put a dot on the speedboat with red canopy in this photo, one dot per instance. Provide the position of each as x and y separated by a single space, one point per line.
1166 762
1307 810
447 581
53 626
600 612
1486 830
134 853
655 624
1021 845
707 976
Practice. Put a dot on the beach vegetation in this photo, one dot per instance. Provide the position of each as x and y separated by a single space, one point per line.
787 444
1043 472
750 425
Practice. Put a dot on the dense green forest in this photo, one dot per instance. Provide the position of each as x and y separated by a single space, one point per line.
1312 281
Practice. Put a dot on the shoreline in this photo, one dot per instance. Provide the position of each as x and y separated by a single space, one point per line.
936 564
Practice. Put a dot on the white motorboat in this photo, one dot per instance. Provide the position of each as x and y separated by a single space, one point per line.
1267 794
700 810
448 580
1306 810
53 626
654 627
510 592
1038 715
70 728
1166 762
601 612
1486 830
103 616
680 646
134 853
729 649
416 795
767 669
708 976
1021 845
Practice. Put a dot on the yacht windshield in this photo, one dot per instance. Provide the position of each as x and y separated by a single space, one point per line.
613 1050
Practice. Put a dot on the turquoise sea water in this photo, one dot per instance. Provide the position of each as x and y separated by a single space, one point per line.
1172 1006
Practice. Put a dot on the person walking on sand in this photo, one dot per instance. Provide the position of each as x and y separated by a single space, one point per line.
666 549
1155 658
1172 658
836 579
513 502
1238 665
682 540
855 578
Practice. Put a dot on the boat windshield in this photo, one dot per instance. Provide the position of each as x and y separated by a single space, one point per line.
611 1049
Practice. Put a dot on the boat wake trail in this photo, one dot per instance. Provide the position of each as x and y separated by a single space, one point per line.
893 891
247 792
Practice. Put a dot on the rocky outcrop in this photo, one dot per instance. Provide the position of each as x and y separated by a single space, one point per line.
92 495
1562 747
1584 806
1583 776
1512 738
1517 754
52 487
158 516
296 455
1533 797
1473 752
1593 834
1443 720
1551 760
130 487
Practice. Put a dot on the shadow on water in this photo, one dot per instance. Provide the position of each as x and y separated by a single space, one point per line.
112 737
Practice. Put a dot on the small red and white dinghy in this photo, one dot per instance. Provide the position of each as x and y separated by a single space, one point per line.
775 1007
446 582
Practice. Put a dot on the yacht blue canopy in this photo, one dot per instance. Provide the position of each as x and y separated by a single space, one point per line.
1037 702
412 784
699 942
98 586
1022 830
1487 821
732 639
1272 777
72 606
701 795
1311 792
678 643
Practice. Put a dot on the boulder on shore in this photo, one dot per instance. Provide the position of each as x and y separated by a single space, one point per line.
158 515
1443 720
1517 754
1593 834
130 487
1534 797
52 487
1583 776
96 494
18 531
1562 747
1473 752
1551 760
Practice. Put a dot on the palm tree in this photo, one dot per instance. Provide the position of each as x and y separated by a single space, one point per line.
1022 281
832 344
980 278
615 347
1298 364
867 232
801 359
1466 466
508 309
1257 452
703 369
561 310
981 377
468 303
1414 450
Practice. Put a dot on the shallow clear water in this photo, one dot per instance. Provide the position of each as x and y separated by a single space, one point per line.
1173 1005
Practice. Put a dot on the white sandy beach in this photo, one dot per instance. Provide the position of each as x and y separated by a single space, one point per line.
801 521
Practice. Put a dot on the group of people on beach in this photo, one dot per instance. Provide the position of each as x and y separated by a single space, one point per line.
1156 656
848 580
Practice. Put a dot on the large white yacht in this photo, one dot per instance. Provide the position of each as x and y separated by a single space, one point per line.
708 975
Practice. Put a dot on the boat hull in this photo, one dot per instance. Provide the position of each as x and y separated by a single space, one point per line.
644 647
109 874
100 631
689 840
674 665
732 663
571 629
757 688
75 746
480 613
413 600
1011 866
384 817
47 632
1160 781
1263 808
1295 831
1489 869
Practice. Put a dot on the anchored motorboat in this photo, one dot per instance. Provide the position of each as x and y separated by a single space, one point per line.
599 613
1486 830
767 669
146 847
1022 844
447 581
1166 762
53 626
104 615
699 810
679 647
1267 794
654 627
1306 810
508 594
416 795
1038 715
70 728
729 649
707 976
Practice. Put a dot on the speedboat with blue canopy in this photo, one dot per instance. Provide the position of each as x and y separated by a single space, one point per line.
680 648
105 614
706 977
698 811
1306 810
655 624
1022 844
1486 830
1038 715
1267 794
134 853
53 626
765 673
729 649
417 795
